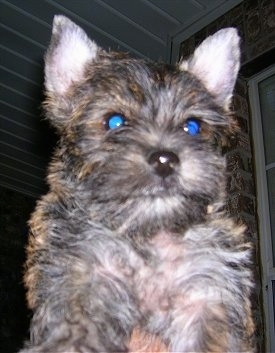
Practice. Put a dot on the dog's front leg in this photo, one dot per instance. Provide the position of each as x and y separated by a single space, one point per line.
81 293
200 327
207 284
207 325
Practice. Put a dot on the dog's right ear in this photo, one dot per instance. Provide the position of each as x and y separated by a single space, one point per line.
69 52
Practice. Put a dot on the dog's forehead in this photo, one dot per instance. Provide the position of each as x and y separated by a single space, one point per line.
144 73
144 80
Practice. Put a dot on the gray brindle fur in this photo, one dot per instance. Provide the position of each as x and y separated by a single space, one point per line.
132 233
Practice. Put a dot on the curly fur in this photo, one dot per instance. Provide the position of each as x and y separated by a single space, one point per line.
115 248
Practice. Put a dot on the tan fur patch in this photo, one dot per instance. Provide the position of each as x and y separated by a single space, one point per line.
144 342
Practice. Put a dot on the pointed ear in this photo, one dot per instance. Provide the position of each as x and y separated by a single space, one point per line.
69 51
216 63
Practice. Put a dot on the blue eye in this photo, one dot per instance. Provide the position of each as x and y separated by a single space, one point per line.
115 121
192 127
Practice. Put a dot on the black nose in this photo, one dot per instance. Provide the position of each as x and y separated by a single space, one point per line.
164 162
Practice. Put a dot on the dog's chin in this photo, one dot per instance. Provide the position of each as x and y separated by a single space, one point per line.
161 200
146 215
158 188
170 203
158 192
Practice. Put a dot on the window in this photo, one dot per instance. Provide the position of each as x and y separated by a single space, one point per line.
262 101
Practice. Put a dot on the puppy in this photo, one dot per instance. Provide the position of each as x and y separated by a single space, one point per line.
132 239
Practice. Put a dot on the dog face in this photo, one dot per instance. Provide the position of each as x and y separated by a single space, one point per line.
140 142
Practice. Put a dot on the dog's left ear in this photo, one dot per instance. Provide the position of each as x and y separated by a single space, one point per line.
216 63
69 52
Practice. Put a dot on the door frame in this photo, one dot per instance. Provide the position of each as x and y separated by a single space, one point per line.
268 268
